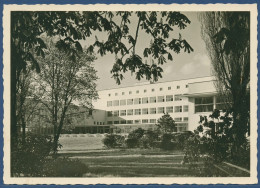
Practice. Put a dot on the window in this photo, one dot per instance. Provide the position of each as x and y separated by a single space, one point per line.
160 110
169 109
130 92
178 87
144 120
109 94
161 89
152 120
116 103
110 122
145 100
109 103
221 103
152 99
94 123
137 121
137 111
185 118
178 119
123 121
160 98
130 101
122 102
137 91
137 101
145 91
116 94
116 122
130 112
152 110
169 88
123 93
122 112
152 90
169 98
177 98
109 114
204 104
129 121
97 123
185 108
116 113
178 109
187 86
145 111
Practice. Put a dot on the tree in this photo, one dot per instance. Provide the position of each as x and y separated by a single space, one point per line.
63 81
25 105
166 124
27 28
227 37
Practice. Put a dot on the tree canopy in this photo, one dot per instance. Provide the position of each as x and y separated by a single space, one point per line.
227 37
70 27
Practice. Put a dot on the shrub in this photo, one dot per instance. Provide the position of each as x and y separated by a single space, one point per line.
149 139
136 134
64 167
167 143
113 141
134 137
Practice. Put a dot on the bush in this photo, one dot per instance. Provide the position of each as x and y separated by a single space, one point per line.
149 139
113 141
134 137
28 157
132 142
167 143
136 134
64 167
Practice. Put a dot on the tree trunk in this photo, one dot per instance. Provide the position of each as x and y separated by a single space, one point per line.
14 132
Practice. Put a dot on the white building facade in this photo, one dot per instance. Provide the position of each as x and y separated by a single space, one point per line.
140 106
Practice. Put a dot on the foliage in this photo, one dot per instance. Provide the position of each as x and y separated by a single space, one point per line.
28 157
64 167
70 27
134 138
113 140
149 139
166 124
61 82
181 138
227 37
167 143
214 138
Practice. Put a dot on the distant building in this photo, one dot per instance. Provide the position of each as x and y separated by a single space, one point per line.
140 106
127 108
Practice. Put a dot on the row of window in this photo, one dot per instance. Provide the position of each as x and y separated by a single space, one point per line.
144 100
99 123
206 104
137 121
145 90
143 111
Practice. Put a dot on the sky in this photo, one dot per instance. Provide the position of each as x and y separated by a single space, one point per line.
184 65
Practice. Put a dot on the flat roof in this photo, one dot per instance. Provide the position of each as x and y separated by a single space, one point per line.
145 83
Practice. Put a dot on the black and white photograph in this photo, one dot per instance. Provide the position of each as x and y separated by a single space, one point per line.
130 94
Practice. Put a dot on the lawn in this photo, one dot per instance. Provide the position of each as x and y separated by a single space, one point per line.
80 142
103 162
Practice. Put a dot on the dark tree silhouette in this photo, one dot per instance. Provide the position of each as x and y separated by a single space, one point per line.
227 37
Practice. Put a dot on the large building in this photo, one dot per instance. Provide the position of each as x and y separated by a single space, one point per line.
121 110
127 108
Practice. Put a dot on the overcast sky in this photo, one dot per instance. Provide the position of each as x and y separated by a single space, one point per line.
183 66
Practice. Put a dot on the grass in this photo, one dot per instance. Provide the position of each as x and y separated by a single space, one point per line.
80 143
104 162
